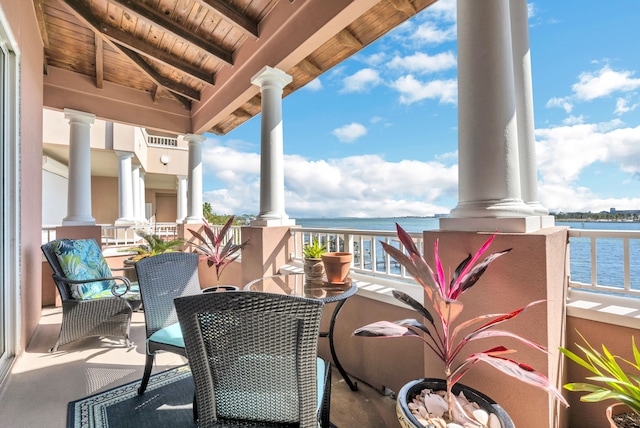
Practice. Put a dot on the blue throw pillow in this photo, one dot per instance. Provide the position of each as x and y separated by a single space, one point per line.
82 259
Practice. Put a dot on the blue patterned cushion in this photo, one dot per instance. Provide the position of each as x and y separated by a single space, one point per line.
132 295
82 259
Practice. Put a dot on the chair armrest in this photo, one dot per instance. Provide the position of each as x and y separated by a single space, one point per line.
114 288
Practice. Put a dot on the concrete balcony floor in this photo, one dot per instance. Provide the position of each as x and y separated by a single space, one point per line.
41 384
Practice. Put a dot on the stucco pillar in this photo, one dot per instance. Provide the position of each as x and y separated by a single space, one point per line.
135 187
79 183
125 195
182 199
194 211
272 212
489 164
524 105
142 198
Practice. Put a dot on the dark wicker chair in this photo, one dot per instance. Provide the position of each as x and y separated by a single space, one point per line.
106 316
161 279
253 358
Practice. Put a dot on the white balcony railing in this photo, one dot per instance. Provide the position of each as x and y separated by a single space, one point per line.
368 256
605 261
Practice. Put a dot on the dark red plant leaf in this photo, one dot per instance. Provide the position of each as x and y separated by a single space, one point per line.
405 298
469 279
384 329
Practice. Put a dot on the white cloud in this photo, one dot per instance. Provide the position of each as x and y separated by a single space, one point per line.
603 83
349 133
573 120
412 90
565 152
361 81
423 63
314 85
432 33
363 186
622 106
560 102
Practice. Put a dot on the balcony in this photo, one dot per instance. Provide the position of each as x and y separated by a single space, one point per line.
608 317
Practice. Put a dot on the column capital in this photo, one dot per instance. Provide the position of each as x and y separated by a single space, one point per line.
194 138
79 116
124 154
271 76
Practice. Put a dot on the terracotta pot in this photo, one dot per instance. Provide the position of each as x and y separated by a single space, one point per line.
616 409
413 388
337 266
313 268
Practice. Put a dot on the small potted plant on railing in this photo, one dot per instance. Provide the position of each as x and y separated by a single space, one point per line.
217 249
610 382
312 255
436 401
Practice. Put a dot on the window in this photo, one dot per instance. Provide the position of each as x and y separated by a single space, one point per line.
9 200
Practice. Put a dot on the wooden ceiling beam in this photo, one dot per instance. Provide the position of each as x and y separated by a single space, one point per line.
116 37
248 26
166 83
309 67
404 6
347 39
99 61
148 13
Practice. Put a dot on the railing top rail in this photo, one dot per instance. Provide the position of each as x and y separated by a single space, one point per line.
353 231
598 233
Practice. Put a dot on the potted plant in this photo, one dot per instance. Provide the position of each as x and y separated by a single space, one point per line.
337 266
611 382
154 245
447 339
217 249
312 254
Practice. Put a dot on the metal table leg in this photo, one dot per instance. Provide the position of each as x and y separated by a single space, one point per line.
329 335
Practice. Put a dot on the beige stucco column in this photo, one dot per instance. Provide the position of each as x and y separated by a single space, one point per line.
79 183
142 198
194 209
489 163
272 212
182 199
135 187
125 195
524 105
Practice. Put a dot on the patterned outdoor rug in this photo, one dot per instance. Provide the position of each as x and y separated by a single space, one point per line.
167 402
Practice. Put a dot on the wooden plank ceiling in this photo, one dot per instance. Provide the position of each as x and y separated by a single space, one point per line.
173 51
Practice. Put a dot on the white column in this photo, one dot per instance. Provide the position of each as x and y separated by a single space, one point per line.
125 195
489 171
143 198
524 105
194 196
79 183
182 199
272 213
135 189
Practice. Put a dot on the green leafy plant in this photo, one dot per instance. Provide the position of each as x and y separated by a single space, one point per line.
153 246
610 380
314 250
217 248
447 340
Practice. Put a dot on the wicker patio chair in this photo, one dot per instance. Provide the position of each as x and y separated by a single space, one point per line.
161 279
94 301
253 358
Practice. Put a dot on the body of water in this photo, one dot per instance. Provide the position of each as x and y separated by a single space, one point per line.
609 251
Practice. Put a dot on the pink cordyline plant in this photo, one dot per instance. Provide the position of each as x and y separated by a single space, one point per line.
212 250
448 341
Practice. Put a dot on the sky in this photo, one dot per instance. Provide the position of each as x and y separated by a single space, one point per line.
377 136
